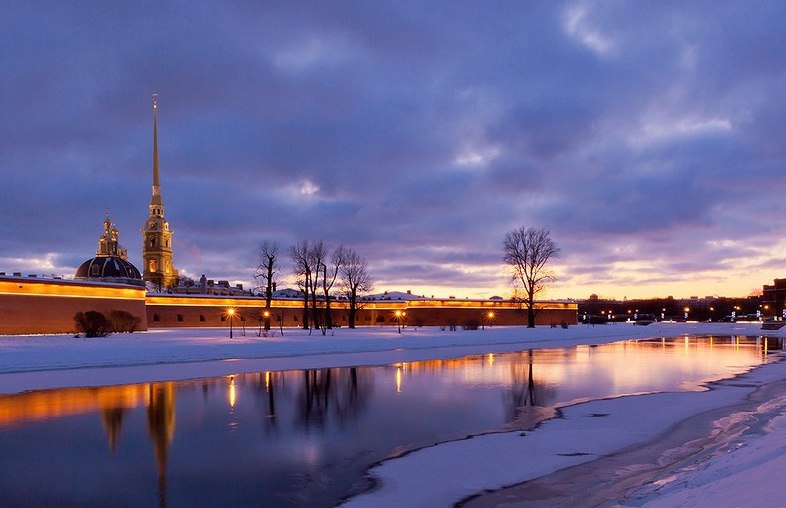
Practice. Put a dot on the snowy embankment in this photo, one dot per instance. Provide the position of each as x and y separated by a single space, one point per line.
446 473
183 353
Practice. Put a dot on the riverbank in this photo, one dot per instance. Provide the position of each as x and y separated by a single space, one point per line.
449 472
184 353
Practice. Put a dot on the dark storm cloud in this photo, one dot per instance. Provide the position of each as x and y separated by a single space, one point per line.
417 134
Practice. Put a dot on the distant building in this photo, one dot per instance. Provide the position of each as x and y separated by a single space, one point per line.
773 299
159 268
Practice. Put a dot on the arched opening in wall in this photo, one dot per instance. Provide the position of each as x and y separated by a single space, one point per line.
223 317
202 318
242 317
294 318
381 319
180 318
156 317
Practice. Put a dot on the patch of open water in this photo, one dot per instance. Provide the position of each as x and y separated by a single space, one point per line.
299 438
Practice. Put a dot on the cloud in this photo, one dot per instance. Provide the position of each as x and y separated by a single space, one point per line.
646 137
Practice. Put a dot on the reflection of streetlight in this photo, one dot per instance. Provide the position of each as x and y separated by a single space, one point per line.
399 317
230 315
232 392
686 309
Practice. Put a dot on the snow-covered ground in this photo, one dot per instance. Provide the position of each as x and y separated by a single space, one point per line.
443 474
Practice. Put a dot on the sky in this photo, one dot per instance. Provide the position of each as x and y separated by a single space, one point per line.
648 137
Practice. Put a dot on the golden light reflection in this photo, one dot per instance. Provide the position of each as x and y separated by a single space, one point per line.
232 392
491 359
267 381
398 379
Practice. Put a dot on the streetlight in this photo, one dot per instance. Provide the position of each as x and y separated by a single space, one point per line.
399 316
489 317
230 315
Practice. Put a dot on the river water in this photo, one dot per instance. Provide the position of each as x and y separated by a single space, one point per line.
305 438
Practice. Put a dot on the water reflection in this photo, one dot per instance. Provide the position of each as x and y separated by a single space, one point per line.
305 437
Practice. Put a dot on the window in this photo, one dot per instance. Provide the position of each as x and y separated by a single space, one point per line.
202 318
180 317
156 317
223 317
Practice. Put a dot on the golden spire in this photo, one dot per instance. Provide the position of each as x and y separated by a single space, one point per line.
156 199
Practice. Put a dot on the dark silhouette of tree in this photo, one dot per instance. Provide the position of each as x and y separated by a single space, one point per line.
329 275
266 271
316 257
301 268
355 281
526 251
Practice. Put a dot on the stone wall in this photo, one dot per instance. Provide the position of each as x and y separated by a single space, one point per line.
39 305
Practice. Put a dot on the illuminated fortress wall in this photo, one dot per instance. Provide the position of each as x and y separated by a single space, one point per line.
38 305
171 311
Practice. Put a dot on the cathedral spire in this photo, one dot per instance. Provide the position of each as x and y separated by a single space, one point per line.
157 237
156 198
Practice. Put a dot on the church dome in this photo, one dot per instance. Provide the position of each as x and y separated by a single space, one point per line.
111 261
109 269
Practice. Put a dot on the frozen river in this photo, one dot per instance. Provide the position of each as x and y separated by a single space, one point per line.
307 437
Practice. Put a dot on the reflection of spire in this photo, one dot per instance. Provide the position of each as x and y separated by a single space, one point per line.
113 422
161 425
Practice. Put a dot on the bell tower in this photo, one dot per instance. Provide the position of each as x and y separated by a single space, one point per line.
156 235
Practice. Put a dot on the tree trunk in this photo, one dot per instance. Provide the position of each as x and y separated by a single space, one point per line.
352 310
531 313
305 308
268 295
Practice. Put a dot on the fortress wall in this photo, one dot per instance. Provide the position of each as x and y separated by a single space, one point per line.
185 311
37 305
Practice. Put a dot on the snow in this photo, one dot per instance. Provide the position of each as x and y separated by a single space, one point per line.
443 474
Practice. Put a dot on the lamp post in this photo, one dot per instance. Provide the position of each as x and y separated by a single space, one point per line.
230 315
399 315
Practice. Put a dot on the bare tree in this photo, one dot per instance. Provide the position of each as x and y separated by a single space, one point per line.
266 271
329 276
317 255
526 251
355 281
299 254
